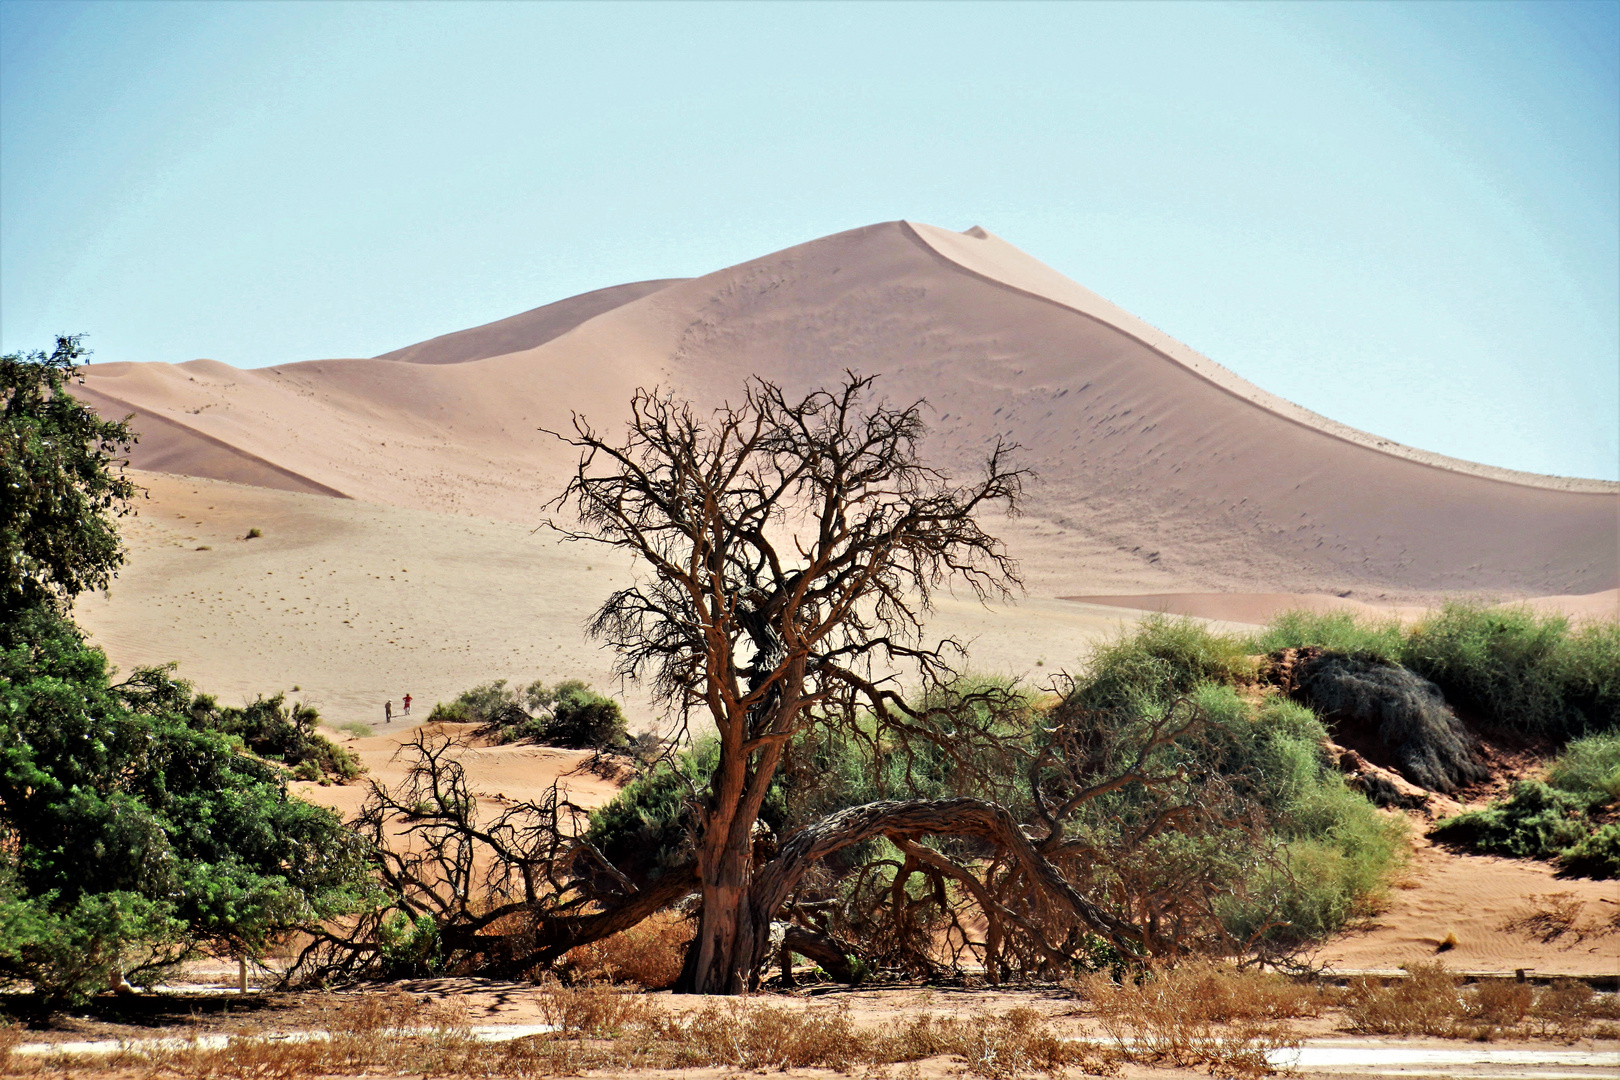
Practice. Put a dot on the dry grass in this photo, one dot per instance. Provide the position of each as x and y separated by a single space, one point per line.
648 954
604 1028
1433 1001
1203 1016
1550 916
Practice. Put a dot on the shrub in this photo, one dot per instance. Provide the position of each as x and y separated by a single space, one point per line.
1407 711
136 833
1589 766
648 954
279 731
1334 631
569 714
1432 1001
1596 855
1535 822
1163 657
1526 673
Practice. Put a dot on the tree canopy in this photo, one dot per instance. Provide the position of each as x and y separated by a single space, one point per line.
63 480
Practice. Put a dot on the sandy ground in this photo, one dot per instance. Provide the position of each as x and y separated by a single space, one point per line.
1470 898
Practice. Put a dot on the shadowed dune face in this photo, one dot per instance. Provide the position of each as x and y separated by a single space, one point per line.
1158 471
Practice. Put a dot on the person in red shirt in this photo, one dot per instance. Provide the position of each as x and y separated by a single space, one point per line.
407 704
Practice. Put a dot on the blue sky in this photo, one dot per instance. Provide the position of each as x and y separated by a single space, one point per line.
1406 217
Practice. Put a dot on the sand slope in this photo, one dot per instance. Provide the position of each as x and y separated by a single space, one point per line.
524 331
1158 471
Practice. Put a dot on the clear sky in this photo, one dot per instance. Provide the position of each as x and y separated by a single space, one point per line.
1406 216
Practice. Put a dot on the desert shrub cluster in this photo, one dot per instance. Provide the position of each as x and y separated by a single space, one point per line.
568 714
133 833
278 730
1272 849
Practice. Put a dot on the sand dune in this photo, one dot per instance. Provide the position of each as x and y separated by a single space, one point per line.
1158 470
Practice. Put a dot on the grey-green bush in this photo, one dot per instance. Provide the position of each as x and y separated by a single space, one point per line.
1408 712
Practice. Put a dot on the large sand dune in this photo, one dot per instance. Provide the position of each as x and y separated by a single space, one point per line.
1159 471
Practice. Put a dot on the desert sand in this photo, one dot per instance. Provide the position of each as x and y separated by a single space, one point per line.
401 498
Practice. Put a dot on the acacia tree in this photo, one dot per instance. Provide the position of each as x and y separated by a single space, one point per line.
793 549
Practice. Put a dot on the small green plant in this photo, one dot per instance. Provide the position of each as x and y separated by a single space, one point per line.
1589 766
253 534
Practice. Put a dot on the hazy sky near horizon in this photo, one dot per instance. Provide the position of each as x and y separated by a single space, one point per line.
1403 216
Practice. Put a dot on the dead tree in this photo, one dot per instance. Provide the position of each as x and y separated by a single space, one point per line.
792 549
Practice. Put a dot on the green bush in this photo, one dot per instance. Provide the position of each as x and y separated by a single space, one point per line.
1534 822
1596 855
276 730
1589 766
132 834
1335 631
1162 658
1526 673
569 714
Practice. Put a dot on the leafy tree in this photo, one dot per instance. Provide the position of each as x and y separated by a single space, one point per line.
133 831
63 482
131 837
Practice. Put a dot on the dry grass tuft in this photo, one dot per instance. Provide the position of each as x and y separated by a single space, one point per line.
648 954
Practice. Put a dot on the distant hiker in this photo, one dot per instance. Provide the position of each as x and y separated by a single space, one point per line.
388 711
407 704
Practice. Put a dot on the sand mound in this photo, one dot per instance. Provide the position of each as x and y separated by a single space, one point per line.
1159 471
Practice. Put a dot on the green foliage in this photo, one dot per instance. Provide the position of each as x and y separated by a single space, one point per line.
131 832
1553 820
648 827
1162 658
411 949
1589 766
1335 631
1534 822
1531 674
63 483
274 729
1596 855
569 714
